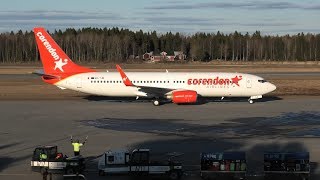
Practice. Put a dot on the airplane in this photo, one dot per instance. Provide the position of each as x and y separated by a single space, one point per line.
177 87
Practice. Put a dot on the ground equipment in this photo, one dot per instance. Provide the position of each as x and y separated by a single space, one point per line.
139 162
287 164
47 160
223 164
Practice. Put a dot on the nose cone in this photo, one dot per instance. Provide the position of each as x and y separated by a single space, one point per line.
272 87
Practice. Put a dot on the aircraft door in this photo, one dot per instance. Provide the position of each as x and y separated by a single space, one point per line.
249 83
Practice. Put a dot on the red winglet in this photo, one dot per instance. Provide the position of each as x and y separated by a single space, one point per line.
124 77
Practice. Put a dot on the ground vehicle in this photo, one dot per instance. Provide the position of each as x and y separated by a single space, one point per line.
287 164
54 162
139 162
223 164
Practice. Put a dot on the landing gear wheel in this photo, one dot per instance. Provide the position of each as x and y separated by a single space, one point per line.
70 171
101 173
43 171
156 102
251 101
173 175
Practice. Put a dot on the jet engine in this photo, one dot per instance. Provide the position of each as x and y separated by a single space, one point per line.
184 97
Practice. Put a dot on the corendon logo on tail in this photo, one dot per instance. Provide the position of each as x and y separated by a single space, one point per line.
215 81
58 61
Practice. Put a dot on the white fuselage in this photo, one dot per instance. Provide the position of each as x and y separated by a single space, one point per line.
206 84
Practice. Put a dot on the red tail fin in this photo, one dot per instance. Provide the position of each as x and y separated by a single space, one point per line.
54 60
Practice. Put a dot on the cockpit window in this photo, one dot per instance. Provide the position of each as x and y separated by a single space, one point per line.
262 81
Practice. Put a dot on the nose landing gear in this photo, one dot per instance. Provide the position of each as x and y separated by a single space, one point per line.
252 98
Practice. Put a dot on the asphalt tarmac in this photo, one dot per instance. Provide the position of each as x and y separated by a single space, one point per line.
289 123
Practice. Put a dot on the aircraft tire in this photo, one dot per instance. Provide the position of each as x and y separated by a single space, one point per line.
156 102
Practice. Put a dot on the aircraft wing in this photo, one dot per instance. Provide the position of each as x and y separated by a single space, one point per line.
154 91
149 90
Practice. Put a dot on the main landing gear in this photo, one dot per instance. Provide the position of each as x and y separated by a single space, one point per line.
250 101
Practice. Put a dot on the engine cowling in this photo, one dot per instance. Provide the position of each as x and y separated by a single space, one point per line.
184 97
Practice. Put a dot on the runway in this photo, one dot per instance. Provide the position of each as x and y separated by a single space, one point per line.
289 123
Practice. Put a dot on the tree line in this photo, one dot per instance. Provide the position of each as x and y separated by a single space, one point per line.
124 45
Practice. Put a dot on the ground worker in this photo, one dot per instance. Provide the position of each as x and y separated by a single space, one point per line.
76 146
43 156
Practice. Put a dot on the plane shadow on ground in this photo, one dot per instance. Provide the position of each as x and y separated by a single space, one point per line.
285 125
8 161
201 100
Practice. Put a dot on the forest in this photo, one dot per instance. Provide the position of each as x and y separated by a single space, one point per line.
123 45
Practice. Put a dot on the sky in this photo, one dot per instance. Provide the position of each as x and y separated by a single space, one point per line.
185 16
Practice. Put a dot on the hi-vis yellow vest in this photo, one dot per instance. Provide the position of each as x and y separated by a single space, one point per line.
43 156
76 146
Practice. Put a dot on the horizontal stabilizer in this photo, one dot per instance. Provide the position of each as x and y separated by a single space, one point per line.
45 76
